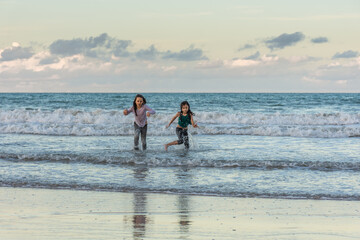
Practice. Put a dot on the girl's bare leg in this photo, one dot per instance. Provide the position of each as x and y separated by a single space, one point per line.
170 144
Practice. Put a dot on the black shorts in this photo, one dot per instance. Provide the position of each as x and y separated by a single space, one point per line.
182 134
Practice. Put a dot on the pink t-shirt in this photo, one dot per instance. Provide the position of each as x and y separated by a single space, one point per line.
140 119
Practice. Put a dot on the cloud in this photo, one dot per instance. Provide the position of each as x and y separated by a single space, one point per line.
148 54
347 54
242 63
301 59
168 69
320 40
339 73
253 57
101 46
254 60
246 46
107 48
16 52
269 59
207 64
104 63
270 72
189 54
49 60
285 40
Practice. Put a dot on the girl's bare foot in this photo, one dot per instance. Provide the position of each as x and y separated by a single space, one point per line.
166 147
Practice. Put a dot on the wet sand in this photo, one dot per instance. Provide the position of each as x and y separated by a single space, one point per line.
68 214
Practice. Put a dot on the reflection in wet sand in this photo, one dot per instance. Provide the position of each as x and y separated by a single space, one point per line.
139 205
184 176
184 214
139 218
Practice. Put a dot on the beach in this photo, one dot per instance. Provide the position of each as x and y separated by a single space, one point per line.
210 120
28 213
260 166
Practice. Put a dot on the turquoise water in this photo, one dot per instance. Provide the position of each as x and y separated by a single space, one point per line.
247 145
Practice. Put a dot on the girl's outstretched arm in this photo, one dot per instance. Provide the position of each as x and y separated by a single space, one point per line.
192 122
149 110
176 115
127 111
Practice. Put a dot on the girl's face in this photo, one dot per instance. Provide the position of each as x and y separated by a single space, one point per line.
139 102
185 108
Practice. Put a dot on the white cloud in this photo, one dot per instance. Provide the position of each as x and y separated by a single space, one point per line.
298 59
340 73
269 59
241 63
208 64
334 64
342 82
313 80
249 62
168 68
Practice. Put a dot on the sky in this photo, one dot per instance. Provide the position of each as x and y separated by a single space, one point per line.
179 46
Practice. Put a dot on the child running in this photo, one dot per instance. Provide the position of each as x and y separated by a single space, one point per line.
141 110
185 118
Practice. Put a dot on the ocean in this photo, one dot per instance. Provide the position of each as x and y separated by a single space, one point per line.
260 145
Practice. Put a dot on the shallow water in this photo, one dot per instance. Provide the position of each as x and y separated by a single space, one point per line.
248 145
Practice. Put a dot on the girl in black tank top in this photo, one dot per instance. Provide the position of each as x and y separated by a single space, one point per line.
185 118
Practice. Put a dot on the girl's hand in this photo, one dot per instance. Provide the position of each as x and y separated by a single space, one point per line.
148 114
168 125
125 112
195 125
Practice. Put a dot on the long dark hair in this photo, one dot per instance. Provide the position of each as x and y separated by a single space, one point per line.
134 103
186 103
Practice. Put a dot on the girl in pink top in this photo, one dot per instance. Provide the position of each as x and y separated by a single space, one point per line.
141 110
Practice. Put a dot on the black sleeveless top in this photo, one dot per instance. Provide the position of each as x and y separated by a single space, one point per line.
184 121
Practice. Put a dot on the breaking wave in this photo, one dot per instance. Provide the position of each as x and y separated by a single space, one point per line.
128 158
113 123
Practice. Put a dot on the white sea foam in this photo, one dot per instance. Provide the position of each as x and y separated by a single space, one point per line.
105 122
